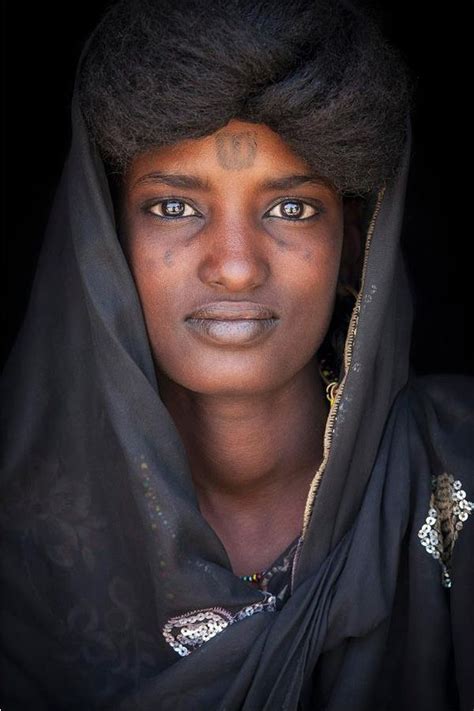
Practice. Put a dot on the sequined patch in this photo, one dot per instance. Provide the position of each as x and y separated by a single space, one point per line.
448 511
188 631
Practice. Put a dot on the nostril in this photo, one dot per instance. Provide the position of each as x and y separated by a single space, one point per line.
234 273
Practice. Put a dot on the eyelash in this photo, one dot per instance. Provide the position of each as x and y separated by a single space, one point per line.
306 203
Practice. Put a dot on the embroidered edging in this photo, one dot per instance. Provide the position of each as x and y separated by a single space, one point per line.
449 509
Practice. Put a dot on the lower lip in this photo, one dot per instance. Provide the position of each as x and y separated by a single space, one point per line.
234 332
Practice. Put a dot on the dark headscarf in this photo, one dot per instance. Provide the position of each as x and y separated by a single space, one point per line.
107 562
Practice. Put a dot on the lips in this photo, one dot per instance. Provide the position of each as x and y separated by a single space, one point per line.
233 311
232 323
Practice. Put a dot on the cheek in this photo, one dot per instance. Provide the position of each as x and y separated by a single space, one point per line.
156 273
313 283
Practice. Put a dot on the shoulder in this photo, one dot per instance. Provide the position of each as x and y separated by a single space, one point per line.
441 431
443 390
442 417
443 404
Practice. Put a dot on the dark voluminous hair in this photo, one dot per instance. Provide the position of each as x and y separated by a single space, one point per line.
318 72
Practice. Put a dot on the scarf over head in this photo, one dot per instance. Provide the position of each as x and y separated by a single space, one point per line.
118 595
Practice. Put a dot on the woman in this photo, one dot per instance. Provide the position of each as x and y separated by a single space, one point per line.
224 487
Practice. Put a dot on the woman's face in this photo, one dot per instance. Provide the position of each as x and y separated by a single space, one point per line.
222 225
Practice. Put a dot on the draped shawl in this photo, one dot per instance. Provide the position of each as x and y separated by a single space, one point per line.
118 595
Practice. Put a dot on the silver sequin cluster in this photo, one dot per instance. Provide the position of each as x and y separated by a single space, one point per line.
448 511
188 631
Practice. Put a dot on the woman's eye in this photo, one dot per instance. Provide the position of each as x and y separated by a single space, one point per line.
296 210
172 208
293 210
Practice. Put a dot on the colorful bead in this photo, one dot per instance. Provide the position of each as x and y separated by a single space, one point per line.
254 578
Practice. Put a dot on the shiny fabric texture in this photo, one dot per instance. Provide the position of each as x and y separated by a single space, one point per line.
102 539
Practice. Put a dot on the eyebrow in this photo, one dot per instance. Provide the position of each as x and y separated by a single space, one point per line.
177 180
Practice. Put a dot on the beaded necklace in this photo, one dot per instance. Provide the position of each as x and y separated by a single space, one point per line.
254 578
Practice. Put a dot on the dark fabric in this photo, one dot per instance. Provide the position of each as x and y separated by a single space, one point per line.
103 541
276 579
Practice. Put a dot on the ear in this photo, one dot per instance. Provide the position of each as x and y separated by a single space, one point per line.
351 259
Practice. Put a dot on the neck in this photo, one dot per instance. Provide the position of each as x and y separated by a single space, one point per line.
244 450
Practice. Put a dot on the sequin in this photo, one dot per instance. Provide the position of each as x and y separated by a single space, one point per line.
186 632
448 510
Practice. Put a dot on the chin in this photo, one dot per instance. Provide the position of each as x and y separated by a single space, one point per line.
223 381
232 376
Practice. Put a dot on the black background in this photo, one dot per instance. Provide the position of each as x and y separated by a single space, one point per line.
40 51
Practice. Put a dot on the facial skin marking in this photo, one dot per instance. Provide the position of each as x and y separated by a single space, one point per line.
236 151
168 257
282 244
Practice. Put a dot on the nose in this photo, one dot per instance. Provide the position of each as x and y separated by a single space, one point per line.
234 257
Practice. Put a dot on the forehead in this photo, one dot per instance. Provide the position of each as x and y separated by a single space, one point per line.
240 151
239 145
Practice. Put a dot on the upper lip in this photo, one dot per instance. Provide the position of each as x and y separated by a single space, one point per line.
232 311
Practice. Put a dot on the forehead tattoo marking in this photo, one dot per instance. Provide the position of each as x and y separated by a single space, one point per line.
236 151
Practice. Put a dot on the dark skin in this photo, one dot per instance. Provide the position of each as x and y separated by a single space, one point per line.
251 415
